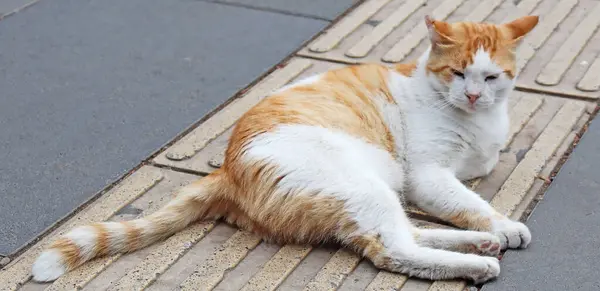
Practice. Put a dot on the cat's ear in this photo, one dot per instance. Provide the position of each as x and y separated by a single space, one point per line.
517 29
440 33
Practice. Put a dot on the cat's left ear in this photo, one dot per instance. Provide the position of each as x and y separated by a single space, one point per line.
517 29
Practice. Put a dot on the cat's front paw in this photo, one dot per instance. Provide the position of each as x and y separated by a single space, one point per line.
488 268
512 234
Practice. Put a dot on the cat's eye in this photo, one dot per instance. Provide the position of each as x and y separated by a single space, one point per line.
458 74
491 77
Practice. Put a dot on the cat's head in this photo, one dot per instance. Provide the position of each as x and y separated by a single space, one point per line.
474 64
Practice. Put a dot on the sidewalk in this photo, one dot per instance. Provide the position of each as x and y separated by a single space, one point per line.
92 88
557 91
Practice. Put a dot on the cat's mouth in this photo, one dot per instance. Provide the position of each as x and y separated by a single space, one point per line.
468 107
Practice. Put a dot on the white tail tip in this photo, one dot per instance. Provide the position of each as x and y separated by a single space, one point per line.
48 266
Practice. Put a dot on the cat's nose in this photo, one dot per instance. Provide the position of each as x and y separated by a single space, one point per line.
472 97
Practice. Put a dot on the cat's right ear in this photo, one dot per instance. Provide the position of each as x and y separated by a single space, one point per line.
440 33
518 28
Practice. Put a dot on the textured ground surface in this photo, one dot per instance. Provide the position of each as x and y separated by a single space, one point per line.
556 94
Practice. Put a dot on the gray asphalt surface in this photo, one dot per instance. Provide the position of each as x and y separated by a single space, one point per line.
565 251
90 88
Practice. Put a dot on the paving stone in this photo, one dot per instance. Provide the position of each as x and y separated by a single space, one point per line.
559 56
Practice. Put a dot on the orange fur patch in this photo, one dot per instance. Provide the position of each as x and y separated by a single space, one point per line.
345 99
71 254
257 204
102 240
470 220
406 69
133 236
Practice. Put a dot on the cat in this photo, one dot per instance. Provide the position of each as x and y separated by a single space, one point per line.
333 157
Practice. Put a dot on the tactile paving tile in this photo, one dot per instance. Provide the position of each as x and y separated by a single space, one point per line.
560 56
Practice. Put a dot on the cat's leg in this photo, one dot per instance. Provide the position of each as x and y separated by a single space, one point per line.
437 191
463 241
353 181
383 235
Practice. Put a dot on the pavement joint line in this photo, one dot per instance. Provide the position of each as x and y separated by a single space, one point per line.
268 9
531 205
19 9
566 95
176 169
332 37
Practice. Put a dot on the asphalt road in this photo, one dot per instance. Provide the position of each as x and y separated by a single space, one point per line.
90 88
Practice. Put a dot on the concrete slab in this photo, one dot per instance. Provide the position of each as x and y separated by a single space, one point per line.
320 9
91 88
560 56
564 255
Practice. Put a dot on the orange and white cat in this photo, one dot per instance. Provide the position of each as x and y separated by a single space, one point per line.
332 158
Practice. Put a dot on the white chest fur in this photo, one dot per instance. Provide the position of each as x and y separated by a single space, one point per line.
435 133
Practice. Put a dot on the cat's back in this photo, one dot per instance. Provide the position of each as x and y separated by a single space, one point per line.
320 132
346 100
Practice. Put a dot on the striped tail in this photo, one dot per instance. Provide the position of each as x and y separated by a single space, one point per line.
84 243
